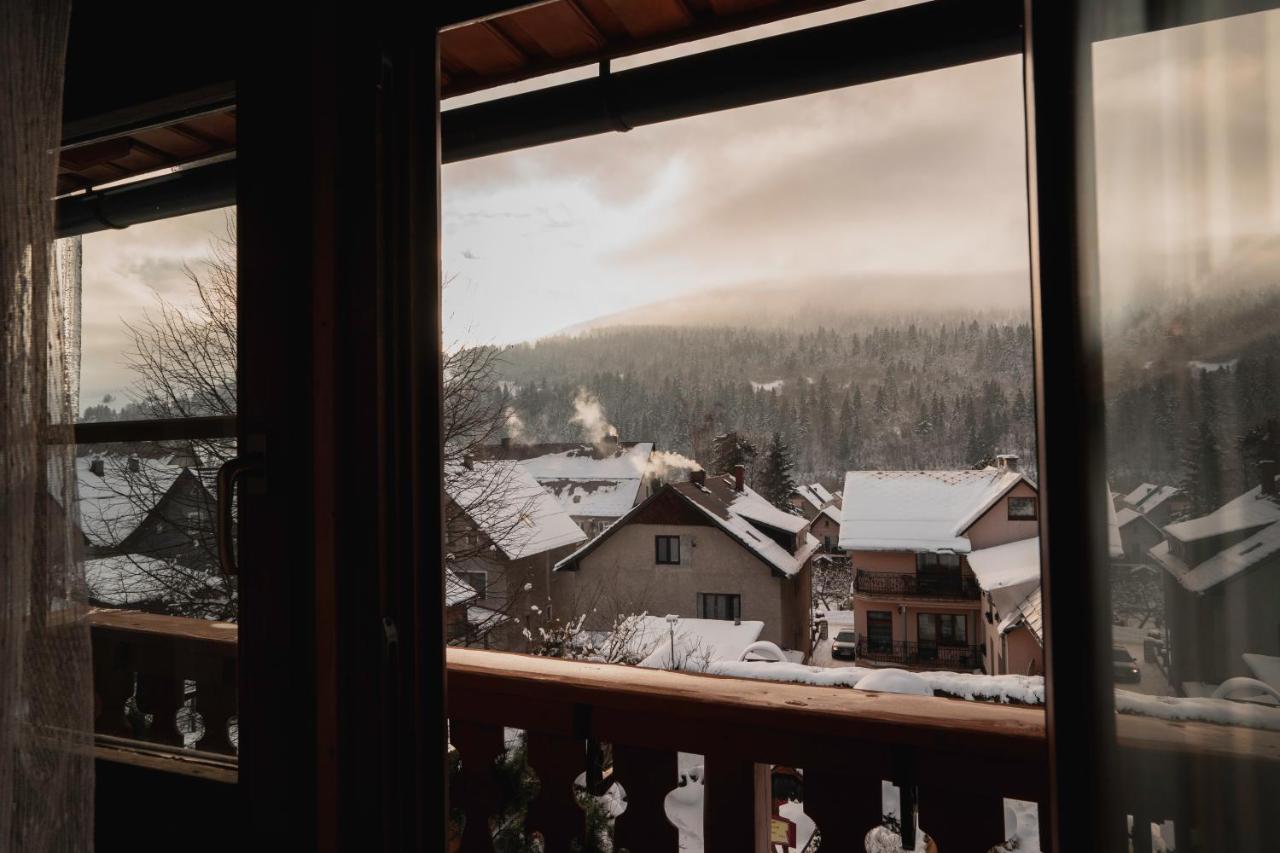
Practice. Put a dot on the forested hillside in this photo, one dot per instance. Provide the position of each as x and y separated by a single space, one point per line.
910 395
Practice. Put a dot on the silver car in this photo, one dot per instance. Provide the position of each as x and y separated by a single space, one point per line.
844 645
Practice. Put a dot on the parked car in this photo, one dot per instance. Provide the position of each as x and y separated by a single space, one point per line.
1123 665
844 645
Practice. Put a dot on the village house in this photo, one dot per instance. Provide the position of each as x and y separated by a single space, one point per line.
504 534
916 600
147 524
1222 581
596 484
709 548
1012 635
822 507
1159 504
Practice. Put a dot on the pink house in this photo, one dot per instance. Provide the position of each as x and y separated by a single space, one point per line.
916 600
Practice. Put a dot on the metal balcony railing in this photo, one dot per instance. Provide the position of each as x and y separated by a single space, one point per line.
919 585
940 655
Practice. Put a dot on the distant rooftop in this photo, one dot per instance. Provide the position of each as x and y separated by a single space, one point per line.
919 510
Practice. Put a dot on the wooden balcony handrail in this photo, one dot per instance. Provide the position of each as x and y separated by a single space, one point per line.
954 761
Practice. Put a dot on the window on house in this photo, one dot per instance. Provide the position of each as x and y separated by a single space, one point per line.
1022 509
880 630
479 581
937 563
718 605
667 550
941 629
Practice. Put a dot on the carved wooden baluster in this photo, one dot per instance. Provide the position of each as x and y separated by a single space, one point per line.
476 793
216 702
844 804
555 813
962 820
735 805
112 684
647 776
161 695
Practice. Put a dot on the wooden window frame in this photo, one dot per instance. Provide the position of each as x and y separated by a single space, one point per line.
672 543
1034 504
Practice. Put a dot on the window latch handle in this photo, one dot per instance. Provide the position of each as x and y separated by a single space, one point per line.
228 475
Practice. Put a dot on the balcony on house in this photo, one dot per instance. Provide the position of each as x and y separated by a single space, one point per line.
940 654
955 584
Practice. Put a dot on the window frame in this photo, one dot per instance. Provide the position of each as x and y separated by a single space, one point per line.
1034 503
731 598
672 544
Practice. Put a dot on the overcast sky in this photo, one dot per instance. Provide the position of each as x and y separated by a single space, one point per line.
920 175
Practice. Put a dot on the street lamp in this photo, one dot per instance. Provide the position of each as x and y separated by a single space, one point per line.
672 619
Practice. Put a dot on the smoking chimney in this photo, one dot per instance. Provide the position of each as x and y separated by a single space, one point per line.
698 477
97 466
1267 476
1007 462
739 477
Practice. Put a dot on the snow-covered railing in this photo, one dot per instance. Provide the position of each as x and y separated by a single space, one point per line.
164 679
917 585
953 761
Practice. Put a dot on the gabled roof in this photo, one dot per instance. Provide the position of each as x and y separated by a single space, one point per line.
1006 565
588 480
114 503
815 494
919 510
1223 565
1148 496
1251 510
741 515
506 503
456 590
1029 613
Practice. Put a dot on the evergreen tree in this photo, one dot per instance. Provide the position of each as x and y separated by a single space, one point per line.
1202 471
730 449
775 481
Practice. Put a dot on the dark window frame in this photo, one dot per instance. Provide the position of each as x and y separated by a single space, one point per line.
1033 502
731 598
672 545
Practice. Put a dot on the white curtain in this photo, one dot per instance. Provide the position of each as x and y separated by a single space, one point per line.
46 699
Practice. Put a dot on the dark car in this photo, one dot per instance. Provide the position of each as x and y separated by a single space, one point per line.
1123 665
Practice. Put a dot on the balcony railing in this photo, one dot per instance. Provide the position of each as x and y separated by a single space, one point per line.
919 654
918 585
953 761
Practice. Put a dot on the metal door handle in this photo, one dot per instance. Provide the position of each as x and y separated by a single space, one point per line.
230 472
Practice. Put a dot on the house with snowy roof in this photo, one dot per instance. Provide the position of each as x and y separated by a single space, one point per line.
1222 586
596 484
909 535
822 507
1158 504
1012 634
709 548
147 525
504 533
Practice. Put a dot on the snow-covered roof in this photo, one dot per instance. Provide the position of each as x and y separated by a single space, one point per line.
815 494
1227 563
129 579
1148 496
456 590
1007 565
1250 510
113 504
738 514
831 512
918 510
1126 516
506 503
709 639
600 482
1028 613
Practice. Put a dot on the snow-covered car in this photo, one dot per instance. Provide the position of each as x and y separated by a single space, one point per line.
1123 665
844 644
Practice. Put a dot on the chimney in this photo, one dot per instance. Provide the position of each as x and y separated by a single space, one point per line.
739 477
698 477
97 466
134 465
1267 476
1007 462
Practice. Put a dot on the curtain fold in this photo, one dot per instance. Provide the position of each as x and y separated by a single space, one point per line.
46 698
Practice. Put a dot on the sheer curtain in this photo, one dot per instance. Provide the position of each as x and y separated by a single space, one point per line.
46 700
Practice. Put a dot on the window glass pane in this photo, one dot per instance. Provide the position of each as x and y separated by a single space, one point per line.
159 319
1187 151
